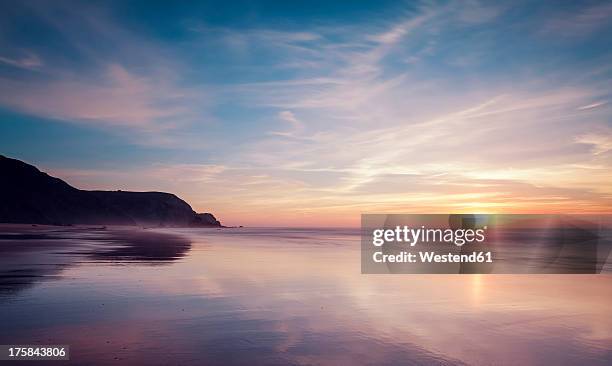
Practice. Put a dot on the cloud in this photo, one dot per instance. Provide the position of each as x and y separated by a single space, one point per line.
117 98
369 123
592 105
101 74
396 33
514 142
295 125
29 61
288 116
579 22
601 143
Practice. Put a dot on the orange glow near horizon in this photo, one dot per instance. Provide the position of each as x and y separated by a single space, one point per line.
237 201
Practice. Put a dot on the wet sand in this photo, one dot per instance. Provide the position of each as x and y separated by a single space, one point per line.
280 296
31 253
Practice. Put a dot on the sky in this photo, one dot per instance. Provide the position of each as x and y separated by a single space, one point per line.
310 113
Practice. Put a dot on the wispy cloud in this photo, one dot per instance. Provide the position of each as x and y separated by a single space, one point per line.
592 105
98 83
295 126
119 98
579 22
29 61
601 143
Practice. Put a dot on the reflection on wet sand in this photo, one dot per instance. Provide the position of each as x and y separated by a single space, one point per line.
297 297
141 246
36 253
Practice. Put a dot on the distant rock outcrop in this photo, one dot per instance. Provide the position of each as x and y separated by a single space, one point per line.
28 195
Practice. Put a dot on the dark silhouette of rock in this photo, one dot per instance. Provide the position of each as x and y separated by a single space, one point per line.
30 196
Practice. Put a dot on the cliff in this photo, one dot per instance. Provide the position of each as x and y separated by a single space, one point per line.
28 195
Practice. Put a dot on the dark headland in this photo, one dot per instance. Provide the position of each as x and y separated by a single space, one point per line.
29 196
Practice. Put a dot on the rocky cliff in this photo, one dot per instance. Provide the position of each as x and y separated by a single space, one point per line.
28 195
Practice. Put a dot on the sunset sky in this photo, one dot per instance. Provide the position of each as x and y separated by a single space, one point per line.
311 113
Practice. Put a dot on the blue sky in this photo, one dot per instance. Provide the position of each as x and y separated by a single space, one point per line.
316 111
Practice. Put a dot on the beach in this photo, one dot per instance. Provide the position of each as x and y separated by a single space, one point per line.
280 296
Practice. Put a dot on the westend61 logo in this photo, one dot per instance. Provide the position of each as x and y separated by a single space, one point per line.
404 234
474 243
